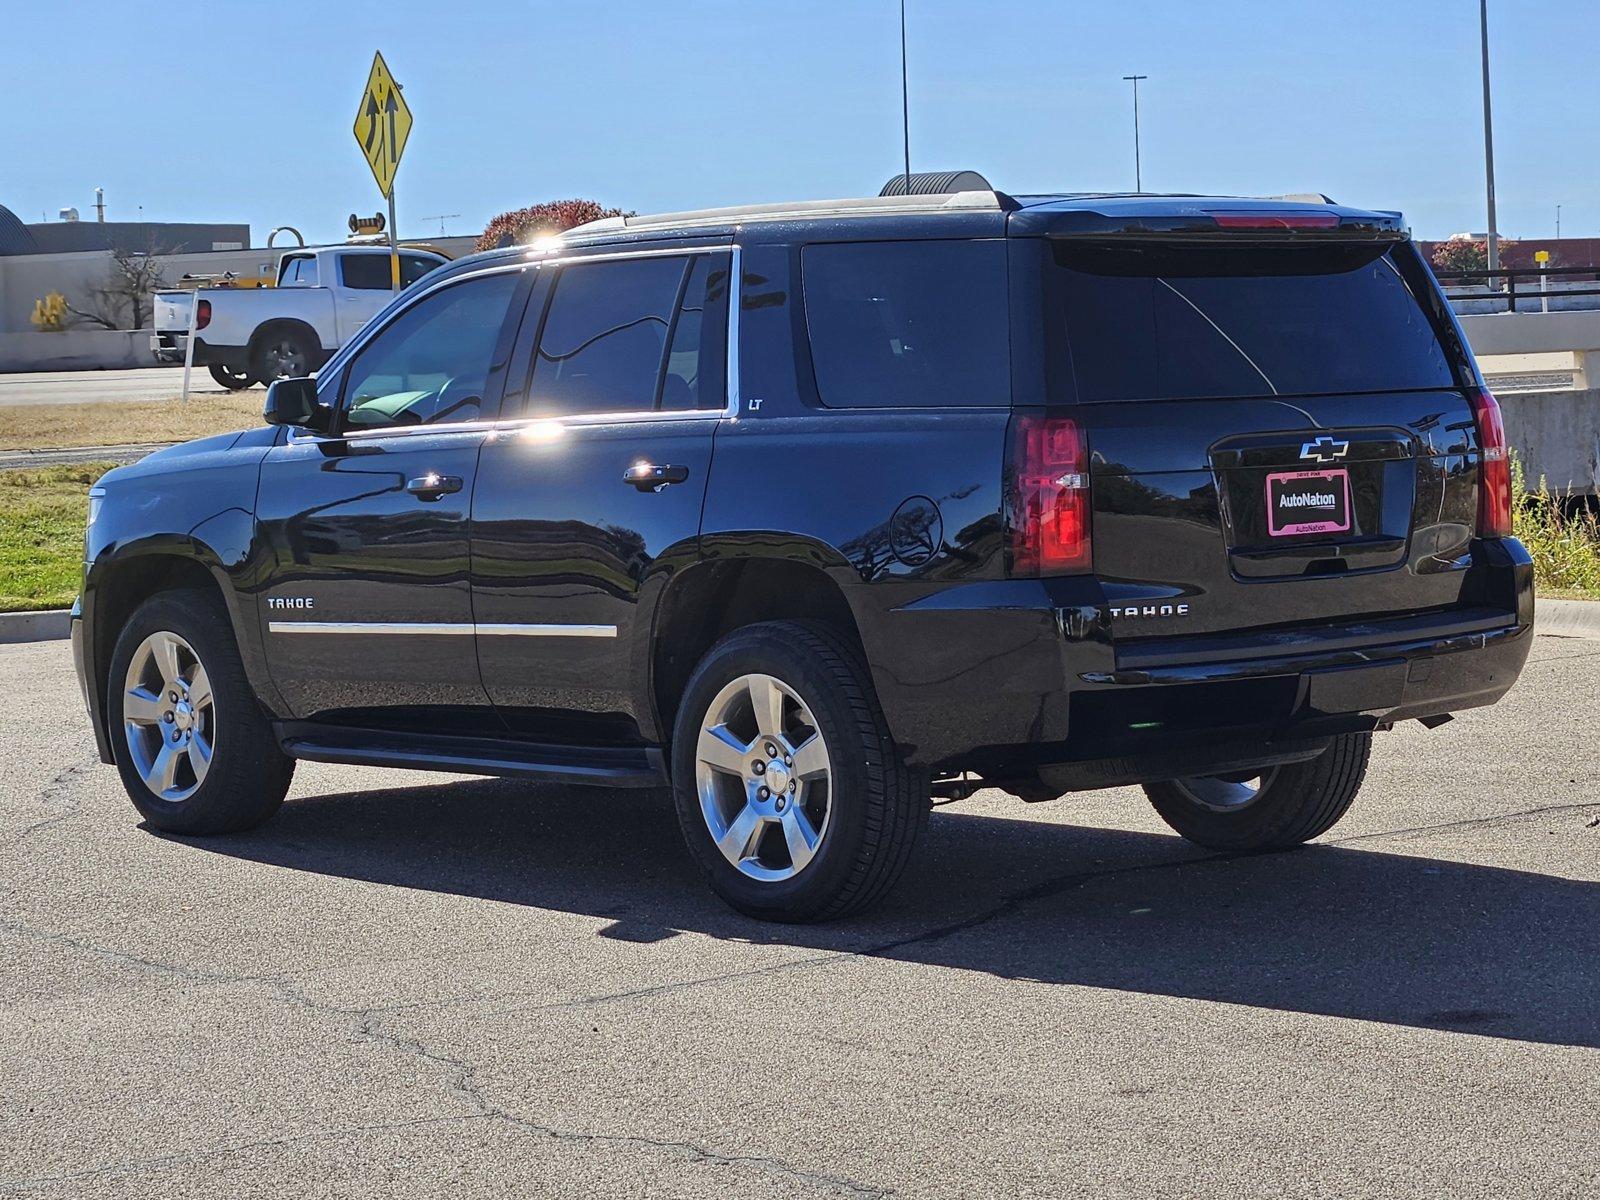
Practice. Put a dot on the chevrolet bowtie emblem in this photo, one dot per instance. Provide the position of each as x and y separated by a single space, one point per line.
1324 449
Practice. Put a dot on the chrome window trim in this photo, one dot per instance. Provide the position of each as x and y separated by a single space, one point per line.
537 259
441 629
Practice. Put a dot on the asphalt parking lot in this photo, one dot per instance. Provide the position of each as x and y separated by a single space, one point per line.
411 984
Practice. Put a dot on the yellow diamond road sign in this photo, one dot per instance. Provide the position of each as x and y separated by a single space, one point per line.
383 122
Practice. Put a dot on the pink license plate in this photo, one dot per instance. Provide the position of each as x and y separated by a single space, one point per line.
1308 502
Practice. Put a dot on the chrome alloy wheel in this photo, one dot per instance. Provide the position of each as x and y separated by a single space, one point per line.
168 716
763 777
1226 793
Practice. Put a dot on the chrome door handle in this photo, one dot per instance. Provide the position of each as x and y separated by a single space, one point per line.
648 477
432 485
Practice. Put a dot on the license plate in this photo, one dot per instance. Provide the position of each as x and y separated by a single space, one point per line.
1308 502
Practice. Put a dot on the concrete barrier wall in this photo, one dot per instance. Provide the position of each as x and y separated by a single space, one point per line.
75 350
1556 435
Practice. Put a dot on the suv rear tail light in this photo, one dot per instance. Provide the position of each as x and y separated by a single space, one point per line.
202 316
1494 466
1050 497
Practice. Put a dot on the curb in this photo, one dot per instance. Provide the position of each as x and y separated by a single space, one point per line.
47 626
132 452
1567 618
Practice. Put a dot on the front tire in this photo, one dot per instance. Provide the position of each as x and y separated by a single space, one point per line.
1278 808
790 792
195 752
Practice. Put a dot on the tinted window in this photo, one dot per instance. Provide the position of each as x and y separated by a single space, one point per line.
1183 321
908 324
697 359
301 271
432 362
605 333
371 272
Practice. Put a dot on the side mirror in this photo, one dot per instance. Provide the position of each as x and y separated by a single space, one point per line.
294 402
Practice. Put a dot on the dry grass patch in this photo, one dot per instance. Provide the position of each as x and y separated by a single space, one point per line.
121 423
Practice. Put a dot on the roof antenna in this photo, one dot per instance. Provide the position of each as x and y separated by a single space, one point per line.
905 98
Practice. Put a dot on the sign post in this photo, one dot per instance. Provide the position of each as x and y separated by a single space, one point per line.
383 123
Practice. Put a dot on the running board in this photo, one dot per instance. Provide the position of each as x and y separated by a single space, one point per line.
601 766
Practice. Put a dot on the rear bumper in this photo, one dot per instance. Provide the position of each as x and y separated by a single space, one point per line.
1057 687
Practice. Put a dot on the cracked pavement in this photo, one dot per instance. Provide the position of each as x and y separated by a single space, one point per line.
412 984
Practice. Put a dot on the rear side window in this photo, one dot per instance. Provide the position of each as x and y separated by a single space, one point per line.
908 324
371 272
300 271
633 335
1182 321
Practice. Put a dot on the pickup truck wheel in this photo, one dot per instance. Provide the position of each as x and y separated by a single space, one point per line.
195 752
1278 808
232 379
790 792
281 354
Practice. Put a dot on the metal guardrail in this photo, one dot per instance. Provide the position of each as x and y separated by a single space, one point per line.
1531 297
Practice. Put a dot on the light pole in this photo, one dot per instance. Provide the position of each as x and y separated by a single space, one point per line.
905 98
1488 142
1558 222
1138 174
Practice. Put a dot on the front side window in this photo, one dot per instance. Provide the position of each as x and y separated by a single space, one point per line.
604 343
371 272
911 324
432 362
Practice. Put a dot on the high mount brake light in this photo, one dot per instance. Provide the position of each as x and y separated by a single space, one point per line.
1494 466
1275 220
1050 513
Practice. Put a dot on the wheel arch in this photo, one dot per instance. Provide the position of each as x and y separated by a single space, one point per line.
117 583
699 606
319 352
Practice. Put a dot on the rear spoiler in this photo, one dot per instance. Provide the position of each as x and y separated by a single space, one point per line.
1213 221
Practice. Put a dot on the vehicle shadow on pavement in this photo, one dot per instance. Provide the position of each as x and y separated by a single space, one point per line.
1336 930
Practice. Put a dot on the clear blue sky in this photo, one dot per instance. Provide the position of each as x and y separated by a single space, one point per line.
242 111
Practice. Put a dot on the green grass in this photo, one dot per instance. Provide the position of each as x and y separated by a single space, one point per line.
42 513
1565 545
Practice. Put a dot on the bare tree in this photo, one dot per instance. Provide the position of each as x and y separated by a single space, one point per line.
123 300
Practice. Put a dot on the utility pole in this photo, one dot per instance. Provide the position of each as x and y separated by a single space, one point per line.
1558 222
1488 144
1138 173
905 98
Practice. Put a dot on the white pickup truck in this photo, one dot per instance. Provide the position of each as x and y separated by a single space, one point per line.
255 335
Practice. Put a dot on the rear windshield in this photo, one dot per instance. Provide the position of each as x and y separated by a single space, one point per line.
1181 321
908 324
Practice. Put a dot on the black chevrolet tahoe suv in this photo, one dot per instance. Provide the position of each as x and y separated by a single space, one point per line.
816 512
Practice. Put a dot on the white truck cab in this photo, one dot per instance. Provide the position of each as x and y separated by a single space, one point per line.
255 335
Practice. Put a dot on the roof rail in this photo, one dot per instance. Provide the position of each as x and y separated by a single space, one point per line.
790 210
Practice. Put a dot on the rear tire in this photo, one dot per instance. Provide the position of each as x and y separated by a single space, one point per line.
282 353
1292 803
195 752
231 378
835 829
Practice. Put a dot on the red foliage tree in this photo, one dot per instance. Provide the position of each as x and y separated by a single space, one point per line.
1466 254
540 220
